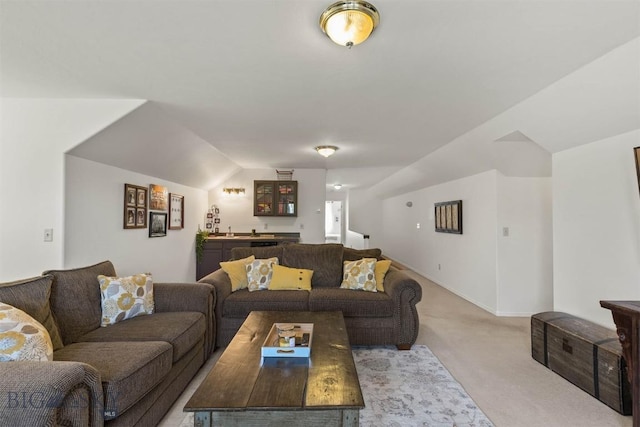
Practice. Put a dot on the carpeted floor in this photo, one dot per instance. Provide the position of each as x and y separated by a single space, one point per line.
408 388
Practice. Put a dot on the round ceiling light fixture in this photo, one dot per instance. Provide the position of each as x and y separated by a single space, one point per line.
326 150
349 23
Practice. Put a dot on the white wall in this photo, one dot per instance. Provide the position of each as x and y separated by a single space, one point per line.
237 210
94 232
525 261
504 275
596 222
468 261
35 133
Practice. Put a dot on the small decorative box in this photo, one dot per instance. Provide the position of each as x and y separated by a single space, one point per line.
282 335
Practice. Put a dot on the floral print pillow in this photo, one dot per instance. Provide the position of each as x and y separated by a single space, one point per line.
259 273
359 275
125 297
22 337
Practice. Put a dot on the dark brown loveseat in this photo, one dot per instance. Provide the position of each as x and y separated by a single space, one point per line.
372 318
126 374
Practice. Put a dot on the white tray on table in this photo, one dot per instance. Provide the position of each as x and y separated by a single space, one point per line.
272 348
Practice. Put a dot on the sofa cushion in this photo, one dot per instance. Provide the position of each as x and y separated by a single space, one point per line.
324 259
239 304
237 272
75 299
351 303
181 329
22 337
262 252
259 273
382 267
290 279
350 254
128 370
360 275
32 296
125 297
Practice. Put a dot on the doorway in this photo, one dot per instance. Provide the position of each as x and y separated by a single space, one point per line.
333 221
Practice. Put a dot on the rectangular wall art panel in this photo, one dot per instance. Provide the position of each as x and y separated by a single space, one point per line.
448 217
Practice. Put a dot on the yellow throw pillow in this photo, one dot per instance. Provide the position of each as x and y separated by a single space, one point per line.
380 271
259 273
125 297
285 278
22 337
237 271
359 275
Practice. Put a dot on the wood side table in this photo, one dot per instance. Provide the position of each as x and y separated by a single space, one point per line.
626 315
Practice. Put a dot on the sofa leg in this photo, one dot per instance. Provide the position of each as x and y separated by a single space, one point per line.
403 346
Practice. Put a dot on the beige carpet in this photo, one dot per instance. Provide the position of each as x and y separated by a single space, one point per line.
491 357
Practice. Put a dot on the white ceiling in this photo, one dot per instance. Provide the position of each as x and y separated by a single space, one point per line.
256 84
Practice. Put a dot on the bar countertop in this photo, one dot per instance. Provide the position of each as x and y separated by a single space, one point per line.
278 237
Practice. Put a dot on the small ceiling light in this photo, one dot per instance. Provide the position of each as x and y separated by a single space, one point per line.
337 186
233 190
326 150
349 23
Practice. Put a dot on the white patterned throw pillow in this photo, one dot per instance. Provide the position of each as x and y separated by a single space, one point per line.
125 297
259 273
359 275
22 337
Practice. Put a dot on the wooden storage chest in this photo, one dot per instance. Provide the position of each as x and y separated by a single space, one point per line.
586 354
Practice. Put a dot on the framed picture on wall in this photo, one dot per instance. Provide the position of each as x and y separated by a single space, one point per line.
130 217
176 211
141 218
157 224
130 195
448 217
636 153
141 197
158 197
135 201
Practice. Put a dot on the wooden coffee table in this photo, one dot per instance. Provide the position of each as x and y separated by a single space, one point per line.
320 391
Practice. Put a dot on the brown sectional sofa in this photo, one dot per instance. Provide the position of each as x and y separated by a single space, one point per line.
129 373
372 318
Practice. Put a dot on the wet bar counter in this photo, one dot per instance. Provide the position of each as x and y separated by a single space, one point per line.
217 247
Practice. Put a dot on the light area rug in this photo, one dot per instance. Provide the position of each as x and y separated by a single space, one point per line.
407 389
412 388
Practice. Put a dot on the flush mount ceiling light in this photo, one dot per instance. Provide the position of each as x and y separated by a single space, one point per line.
326 150
349 23
337 186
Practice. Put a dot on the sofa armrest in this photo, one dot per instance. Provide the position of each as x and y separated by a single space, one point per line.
222 285
406 293
50 393
197 297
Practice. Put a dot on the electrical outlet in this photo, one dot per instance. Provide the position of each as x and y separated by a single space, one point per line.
505 231
301 226
418 225
48 234
266 226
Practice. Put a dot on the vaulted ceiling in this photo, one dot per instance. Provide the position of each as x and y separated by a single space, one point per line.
236 84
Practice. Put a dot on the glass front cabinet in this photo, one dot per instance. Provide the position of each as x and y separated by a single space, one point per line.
275 198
